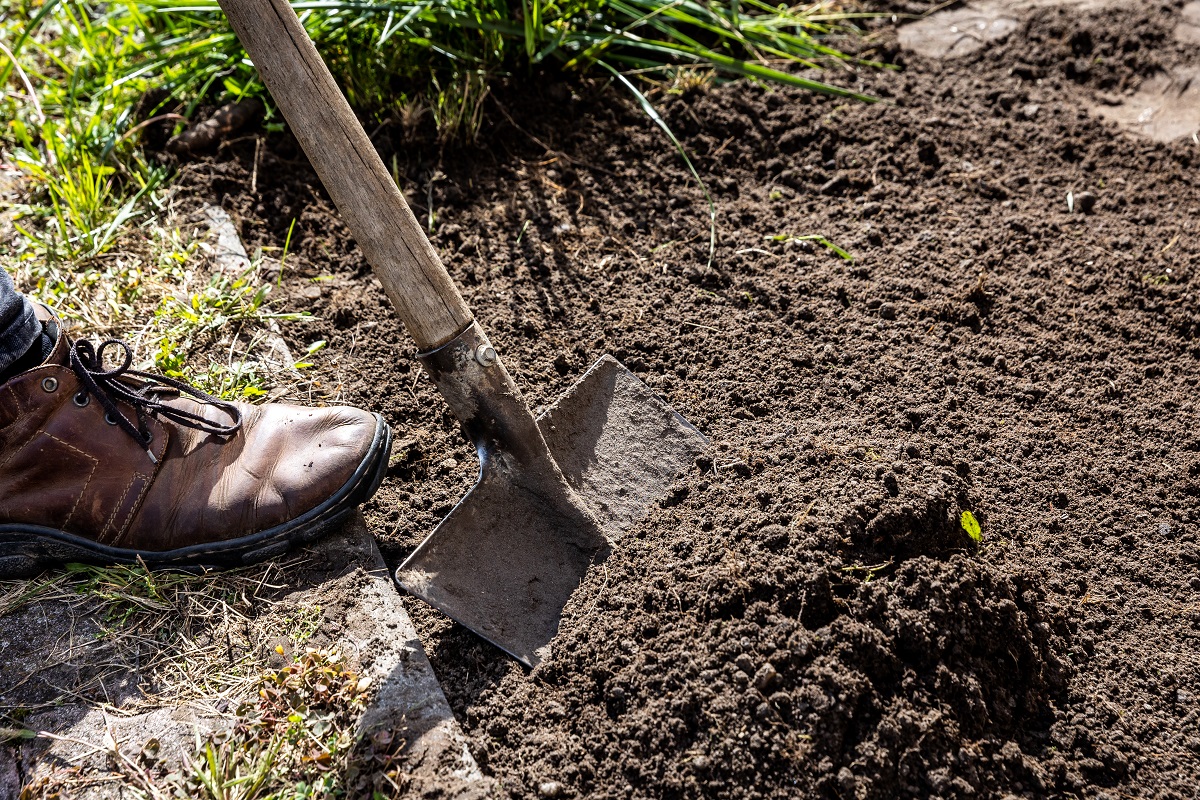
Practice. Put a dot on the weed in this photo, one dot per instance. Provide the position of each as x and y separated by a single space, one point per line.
297 740
871 571
458 107
688 80
8 735
231 309
301 625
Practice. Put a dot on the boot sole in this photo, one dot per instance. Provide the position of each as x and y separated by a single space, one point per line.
26 550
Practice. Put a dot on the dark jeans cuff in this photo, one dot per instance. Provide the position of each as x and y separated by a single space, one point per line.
21 328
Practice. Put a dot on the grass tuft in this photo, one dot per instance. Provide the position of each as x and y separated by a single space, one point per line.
297 739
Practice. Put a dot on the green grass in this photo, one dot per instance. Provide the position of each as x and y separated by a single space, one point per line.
82 80
74 72
296 740
389 54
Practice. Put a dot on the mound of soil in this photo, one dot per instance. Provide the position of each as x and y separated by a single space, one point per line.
804 615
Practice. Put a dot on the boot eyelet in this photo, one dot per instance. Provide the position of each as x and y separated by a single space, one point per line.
49 385
82 399
110 419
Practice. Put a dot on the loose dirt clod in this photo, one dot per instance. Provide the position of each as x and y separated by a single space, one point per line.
225 121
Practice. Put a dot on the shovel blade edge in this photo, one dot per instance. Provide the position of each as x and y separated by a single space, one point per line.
506 560
618 444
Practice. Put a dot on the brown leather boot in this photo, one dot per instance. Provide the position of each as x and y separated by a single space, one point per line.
105 466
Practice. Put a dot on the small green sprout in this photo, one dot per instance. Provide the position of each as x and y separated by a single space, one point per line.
971 526
816 238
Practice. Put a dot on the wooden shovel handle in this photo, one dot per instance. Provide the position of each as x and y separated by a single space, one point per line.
406 264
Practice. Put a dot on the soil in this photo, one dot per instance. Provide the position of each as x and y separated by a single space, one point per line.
804 615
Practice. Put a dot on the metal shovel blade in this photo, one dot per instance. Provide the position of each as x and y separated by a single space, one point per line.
507 558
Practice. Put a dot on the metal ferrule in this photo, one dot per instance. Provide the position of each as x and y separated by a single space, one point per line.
482 395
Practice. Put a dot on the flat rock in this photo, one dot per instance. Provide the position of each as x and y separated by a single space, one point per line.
966 29
1188 29
959 31
228 259
1164 108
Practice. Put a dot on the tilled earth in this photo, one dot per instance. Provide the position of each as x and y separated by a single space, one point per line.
804 615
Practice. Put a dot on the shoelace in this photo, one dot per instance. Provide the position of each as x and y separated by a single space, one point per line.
110 385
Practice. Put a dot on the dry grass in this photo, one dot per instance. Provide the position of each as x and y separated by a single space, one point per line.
296 738
200 640
187 636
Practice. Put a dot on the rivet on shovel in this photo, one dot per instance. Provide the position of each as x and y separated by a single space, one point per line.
554 494
485 354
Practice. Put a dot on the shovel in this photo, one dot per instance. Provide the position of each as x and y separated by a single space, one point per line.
554 494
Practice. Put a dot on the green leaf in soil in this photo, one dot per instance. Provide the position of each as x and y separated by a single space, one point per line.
971 526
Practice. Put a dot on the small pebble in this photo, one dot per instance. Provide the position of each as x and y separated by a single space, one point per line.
1001 363
847 780
549 789
1030 110
1164 529
1085 202
833 184
766 678
887 311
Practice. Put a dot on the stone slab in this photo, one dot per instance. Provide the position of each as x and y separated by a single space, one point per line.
966 29
59 666
228 258
1188 29
1164 108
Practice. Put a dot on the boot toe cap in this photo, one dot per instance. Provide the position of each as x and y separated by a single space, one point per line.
303 456
285 464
